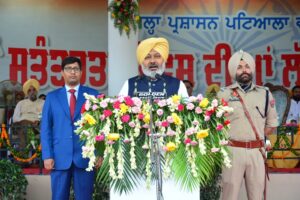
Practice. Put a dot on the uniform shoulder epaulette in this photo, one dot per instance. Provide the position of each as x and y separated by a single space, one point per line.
262 87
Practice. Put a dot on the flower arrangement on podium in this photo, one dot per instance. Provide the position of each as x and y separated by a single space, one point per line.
191 132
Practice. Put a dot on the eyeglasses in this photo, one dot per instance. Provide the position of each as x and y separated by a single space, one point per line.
70 69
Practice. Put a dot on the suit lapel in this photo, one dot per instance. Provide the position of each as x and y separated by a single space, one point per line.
63 100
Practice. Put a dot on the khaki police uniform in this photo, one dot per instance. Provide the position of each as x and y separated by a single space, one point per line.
247 163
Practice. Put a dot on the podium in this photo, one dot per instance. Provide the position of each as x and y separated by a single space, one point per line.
171 191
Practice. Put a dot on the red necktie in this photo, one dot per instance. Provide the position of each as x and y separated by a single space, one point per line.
72 102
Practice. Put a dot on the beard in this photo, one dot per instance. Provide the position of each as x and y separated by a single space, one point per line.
160 70
244 78
296 98
32 97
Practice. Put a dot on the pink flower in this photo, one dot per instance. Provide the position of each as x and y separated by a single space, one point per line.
206 118
180 107
189 131
165 124
100 96
140 116
131 124
107 113
209 112
110 142
219 127
160 112
187 141
199 97
87 105
171 133
102 117
198 110
223 142
170 119
94 107
103 104
162 103
214 149
194 143
100 138
195 123
165 148
137 101
116 105
125 118
136 109
129 101
126 141
190 106
145 125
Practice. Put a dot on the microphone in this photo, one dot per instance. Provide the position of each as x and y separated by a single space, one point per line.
158 76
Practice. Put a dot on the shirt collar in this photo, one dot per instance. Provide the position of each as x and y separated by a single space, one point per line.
236 85
75 88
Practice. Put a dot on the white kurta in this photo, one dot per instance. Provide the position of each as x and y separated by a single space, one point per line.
294 113
28 110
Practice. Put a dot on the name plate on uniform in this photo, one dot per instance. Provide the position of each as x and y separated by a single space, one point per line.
149 95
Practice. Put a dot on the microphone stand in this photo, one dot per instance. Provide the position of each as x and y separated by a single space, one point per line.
155 150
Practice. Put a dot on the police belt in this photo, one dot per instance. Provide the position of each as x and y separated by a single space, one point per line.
249 145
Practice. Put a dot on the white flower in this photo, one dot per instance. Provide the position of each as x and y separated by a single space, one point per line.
202 147
214 103
220 113
87 105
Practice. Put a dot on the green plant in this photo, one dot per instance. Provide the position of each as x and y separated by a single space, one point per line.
212 190
13 183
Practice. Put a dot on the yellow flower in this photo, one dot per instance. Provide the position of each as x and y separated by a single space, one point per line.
202 134
123 108
204 103
146 118
137 18
176 99
90 119
113 15
126 28
171 146
113 136
176 119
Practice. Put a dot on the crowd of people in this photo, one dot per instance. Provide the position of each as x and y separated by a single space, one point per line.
254 117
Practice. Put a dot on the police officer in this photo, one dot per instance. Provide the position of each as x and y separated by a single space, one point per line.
254 117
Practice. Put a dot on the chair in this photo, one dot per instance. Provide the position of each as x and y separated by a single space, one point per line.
282 101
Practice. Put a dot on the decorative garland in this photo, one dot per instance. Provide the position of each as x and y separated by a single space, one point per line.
17 155
282 136
126 15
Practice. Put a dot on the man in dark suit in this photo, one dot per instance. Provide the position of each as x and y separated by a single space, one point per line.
61 147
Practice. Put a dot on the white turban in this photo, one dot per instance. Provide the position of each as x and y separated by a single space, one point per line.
235 59
160 45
